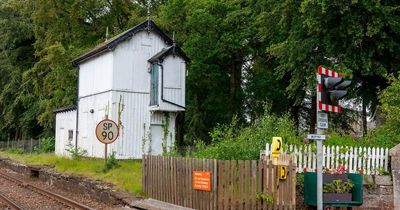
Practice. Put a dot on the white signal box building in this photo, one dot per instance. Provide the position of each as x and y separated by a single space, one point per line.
136 79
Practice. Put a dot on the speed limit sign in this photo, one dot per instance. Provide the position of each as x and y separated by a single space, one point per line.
107 131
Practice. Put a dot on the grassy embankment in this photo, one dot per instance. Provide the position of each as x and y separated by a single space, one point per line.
127 177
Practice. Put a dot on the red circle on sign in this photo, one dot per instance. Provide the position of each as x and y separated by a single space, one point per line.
100 129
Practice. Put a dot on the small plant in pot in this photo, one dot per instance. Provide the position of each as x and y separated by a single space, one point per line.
338 191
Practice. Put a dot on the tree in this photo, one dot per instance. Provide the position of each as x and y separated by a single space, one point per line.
215 35
16 57
355 38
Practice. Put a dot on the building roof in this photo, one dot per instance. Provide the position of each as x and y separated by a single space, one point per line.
174 50
111 44
65 109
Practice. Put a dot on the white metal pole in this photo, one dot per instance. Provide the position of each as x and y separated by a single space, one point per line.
320 157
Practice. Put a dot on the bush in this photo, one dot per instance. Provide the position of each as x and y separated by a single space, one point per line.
46 145
384 136
76 153
230 142
111 163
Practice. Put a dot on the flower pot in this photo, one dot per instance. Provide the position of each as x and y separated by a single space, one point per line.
337 197
330 177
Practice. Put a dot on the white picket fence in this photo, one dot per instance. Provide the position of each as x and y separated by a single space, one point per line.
369 160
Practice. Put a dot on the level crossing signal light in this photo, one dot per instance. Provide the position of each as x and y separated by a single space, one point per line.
331 88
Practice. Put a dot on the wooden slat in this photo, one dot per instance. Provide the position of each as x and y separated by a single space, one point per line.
281 186
247 184
270 182
144 173
254 167
233 184
289 186
167 179
192 191
273 185
260 183
240 185
162 166
266 184
199 194
151 182
215 184
227 184
159 184
220 182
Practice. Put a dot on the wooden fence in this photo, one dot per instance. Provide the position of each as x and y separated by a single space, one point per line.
369 160
25 145
249 184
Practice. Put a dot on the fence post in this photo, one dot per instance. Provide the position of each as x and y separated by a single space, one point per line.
395 154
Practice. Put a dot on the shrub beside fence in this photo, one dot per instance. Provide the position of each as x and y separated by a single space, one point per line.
366 159
24 145
249 184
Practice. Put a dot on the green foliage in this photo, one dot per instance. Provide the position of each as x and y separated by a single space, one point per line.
76 153
379 137
370 184
265 197
215 35
300 183
111 163
338 186
46 145
232 142
17 151
382 171
165 127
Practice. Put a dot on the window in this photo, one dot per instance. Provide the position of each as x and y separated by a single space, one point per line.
154 85
70 135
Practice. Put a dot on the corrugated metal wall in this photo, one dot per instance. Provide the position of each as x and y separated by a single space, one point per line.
87 122
96 75
135 121
65 121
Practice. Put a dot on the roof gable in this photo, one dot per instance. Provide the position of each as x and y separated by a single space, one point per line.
111 44
174 50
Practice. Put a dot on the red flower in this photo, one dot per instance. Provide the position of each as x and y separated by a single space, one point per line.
304 169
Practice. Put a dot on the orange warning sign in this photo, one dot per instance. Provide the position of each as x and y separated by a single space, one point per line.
202 180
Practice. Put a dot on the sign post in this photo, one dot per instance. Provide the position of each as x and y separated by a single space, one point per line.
107 132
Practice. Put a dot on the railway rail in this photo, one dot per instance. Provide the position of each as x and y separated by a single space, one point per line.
59 198
8 202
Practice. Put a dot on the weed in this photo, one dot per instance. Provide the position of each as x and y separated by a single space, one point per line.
111 163
15 151
46 145
265 197
76 153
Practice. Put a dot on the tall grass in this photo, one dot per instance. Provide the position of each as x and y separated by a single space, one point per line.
127 177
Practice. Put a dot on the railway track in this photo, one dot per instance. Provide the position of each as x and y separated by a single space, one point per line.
8 202
59 198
